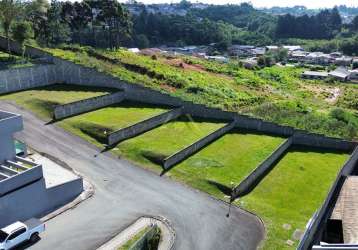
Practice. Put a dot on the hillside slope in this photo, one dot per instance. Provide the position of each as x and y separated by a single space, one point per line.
275 94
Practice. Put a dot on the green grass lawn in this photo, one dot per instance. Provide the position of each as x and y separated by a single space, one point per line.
43 100
96 124
292 192
165 140
225 162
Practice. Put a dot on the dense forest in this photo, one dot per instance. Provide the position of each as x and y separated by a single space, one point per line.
110 24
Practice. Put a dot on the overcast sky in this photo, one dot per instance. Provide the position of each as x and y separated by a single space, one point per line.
270 3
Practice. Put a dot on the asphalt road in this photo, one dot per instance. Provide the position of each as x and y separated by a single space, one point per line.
123 192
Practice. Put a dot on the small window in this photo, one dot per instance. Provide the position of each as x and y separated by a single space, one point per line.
17 233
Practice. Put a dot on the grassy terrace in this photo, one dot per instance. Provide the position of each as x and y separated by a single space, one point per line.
153 146
292 192
43 100
228 160
94 125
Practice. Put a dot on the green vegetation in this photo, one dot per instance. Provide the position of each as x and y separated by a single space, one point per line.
8 61
226 162
134 239
97 124
155 145
275 94
292 192
43 100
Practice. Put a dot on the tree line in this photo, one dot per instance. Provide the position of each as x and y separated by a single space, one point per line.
61 22
108 24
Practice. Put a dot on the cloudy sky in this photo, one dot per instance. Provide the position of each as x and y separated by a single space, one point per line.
269 3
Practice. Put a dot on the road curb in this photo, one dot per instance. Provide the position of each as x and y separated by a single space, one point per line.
140 223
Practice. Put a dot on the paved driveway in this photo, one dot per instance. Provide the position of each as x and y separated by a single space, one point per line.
124 192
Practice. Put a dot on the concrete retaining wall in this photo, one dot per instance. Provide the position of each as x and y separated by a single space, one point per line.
37 200
255 177
304 138
17 181
83 106
174 159
13 80
143 126
318 223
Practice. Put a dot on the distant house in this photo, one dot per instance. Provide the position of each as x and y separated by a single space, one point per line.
340 73
299 56
222 59
241 50
336 54
344 61
271 48
292 48
134 50
354 74
250 63
259 51
319 58
314 75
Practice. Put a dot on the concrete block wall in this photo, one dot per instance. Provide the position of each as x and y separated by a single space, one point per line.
37 200
86 105
19 180
304 138
177 157
313 234
13 80
253 179
143 126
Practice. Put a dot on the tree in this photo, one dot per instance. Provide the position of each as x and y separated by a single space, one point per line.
37 14
354 24
117 21
142 41
9 11
22 31
57 31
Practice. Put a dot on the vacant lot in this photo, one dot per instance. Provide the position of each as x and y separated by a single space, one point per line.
97 124
292 192
43 100
226 161
165 140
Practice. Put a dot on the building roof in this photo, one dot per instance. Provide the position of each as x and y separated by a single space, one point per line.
315 73
134 50
293 47
340 72
271 47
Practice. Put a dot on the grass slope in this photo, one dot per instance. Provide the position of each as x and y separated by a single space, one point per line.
276 94
43 100
292 192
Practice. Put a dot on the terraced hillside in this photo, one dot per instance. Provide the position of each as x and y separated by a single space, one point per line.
276 94
286 199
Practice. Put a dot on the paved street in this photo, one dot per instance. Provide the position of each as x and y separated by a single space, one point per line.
124 192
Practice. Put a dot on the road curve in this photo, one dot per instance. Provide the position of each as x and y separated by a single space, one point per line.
124 192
